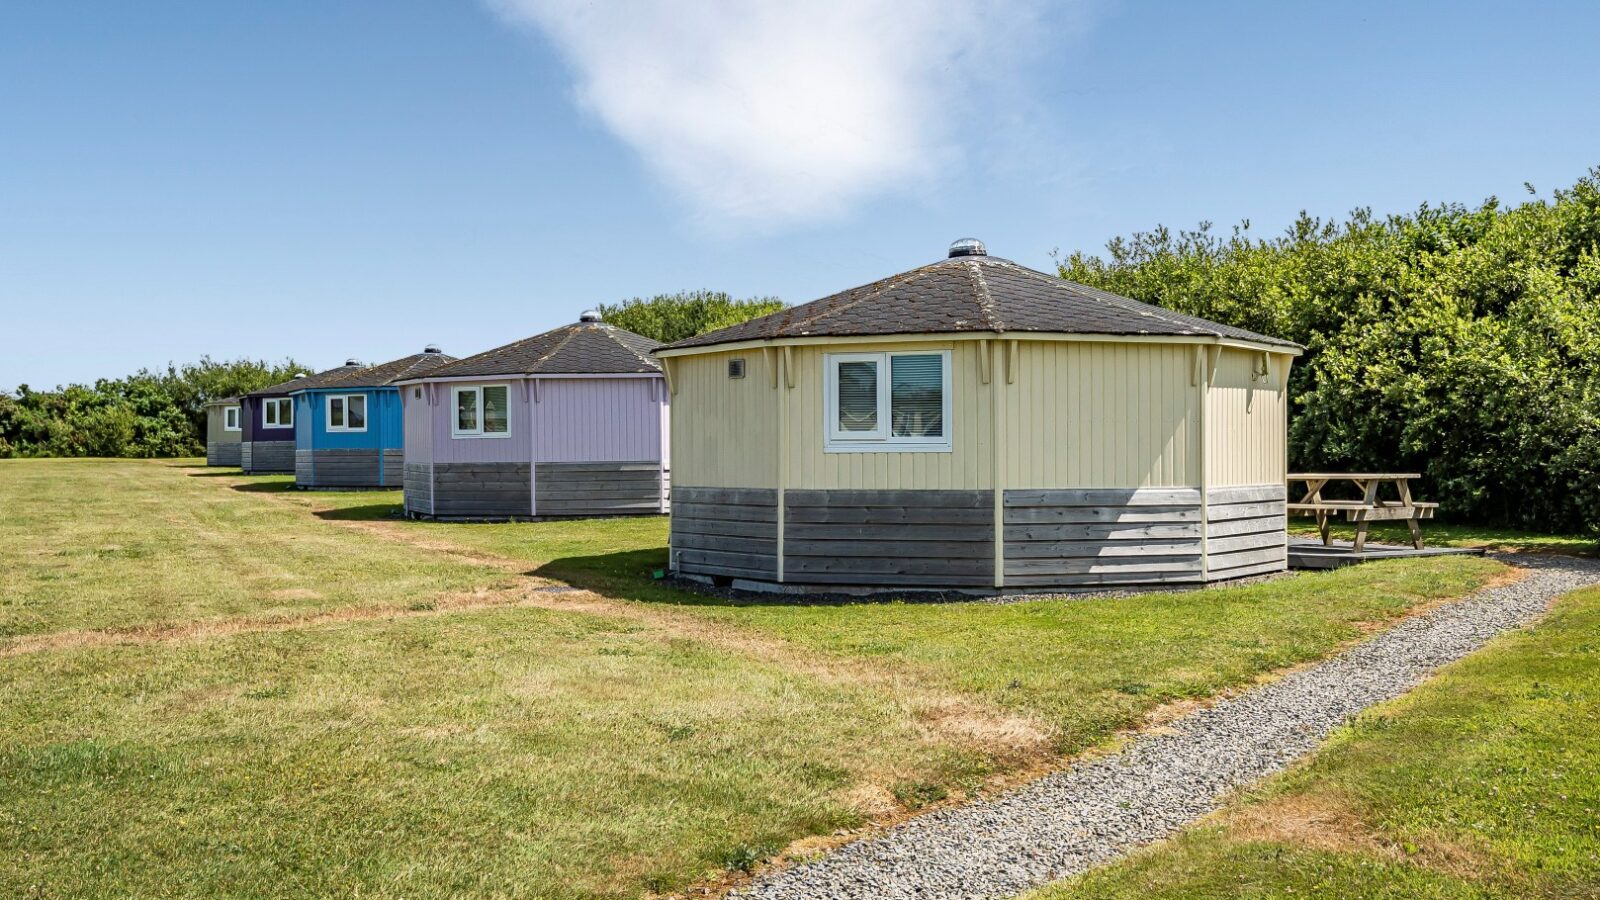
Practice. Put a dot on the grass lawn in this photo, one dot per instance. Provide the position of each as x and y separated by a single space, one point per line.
96 544
1485 782
599 742
1447 534
1086 668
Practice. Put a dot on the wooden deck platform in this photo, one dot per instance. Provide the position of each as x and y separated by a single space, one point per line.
1309 553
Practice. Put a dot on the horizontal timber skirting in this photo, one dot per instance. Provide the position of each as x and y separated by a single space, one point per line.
222 453
728 532
355 468
266 456
597 488
1247 531
857 537
1089 537
418 486
478 490
1067 538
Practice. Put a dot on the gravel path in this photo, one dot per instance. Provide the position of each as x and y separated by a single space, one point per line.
1092 813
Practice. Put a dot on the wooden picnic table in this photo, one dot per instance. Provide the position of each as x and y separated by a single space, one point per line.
1370 508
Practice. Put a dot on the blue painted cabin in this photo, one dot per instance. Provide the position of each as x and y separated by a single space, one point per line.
349 431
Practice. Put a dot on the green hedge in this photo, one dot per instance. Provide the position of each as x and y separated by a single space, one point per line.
1463 343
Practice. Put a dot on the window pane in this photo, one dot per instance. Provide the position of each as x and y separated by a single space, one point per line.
858 396
916 395
335 412
494 410
358 412
467 411
286 412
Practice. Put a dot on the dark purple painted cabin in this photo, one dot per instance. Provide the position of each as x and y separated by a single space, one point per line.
266 438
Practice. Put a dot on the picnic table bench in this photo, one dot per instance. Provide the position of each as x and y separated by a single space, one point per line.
1370 508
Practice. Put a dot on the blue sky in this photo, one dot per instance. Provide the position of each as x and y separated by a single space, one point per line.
327 179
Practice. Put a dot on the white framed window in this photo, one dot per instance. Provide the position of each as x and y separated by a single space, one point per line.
346 412
277 413
887 402
481 411
230 418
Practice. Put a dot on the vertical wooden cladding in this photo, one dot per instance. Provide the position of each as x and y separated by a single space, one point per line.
585 420
937 538
418 416
967 466
730 532
1247 423
725 430
1085 537
1246 531
1088 414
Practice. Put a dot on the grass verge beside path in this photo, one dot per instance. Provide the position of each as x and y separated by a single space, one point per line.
94 544
1484 782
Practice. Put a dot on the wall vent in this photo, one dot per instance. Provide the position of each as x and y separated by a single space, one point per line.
736 367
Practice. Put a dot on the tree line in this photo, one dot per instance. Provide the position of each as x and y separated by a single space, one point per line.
147 414
163 414
1459 342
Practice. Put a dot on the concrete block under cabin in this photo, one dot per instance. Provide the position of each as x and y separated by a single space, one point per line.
223 430
349 430
569 423
975 425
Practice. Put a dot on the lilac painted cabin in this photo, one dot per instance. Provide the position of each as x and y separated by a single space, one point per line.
572 422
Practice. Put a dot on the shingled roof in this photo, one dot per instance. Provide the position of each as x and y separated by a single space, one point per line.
582 348
973 292
416 365
306 381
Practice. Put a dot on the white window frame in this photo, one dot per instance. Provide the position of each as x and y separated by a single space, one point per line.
455 418
881 440
271 403
327 413
230 412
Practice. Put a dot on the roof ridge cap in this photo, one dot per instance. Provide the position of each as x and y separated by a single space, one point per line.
611 332
985 298
572 332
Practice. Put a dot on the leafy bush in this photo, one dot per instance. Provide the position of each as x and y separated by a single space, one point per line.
673 317
1462 343
144 415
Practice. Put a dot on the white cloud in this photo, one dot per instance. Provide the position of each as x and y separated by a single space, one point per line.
765 112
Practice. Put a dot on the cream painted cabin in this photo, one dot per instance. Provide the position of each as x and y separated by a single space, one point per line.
1064 459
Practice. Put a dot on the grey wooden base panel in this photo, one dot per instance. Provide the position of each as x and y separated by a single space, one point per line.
1086 537
730 532
222 453
479 490
266 456
1246 534
896 538
417 484
338 468
598 489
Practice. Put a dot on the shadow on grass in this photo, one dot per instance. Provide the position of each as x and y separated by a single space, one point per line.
365 513
630 575
265 487
214 472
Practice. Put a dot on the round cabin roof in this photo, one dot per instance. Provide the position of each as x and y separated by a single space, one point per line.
586 347
971 291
